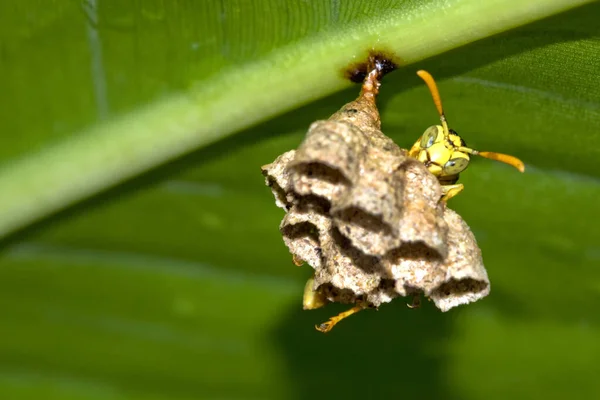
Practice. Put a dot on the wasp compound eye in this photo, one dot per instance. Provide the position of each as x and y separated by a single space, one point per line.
456 166
429 137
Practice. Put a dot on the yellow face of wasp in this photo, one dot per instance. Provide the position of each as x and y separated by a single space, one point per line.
441 155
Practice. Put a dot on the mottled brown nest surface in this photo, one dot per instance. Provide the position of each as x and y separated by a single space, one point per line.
369 219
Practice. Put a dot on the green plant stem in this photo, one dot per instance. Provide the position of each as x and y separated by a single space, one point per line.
109 153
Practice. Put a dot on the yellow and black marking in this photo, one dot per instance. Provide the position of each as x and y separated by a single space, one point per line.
445 153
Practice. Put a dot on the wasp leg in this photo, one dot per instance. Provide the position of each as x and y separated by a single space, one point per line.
312 299
449 191
416 301
297 260
327 326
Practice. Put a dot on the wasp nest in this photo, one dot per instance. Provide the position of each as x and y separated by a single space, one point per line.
369 219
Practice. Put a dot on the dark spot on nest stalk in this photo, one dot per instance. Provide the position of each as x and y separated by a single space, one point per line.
382 61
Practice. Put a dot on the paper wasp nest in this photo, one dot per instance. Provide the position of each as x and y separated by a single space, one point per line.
369 219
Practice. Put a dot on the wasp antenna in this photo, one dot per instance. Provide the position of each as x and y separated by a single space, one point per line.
437 100
505 158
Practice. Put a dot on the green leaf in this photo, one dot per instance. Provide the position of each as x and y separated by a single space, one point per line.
176 284
246 70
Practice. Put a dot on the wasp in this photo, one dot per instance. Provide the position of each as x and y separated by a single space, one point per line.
445 153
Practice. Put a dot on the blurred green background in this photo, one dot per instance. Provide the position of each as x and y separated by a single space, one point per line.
177 285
